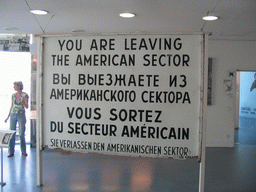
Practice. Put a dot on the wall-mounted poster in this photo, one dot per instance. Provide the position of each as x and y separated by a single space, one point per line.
247 94
209 91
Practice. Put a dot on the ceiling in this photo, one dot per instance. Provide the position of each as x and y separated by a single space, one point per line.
237 18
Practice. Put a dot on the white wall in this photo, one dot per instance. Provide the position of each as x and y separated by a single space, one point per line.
228 56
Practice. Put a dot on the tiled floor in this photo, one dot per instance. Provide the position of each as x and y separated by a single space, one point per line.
227 170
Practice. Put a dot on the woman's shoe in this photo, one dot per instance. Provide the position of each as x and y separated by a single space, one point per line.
25 154
10 155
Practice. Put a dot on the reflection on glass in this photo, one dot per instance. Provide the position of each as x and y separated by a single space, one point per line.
110 177
141 175
79 181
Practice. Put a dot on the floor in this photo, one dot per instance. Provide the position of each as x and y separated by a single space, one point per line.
246 134
227 170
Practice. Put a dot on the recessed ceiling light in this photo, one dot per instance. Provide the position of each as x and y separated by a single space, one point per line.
39 12
127 15
77 31
210 18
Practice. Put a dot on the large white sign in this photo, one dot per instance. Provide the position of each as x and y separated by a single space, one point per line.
136 95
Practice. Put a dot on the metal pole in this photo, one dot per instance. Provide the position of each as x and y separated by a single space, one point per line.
204 122
39 115
2 175
202 171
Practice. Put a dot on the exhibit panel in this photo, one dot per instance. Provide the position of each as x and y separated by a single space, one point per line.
136 95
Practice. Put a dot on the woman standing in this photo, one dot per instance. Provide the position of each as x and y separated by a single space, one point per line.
17 114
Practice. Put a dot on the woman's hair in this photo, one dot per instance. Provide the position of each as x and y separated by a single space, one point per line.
19 83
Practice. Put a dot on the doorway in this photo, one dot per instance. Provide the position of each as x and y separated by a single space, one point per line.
15 66
245 132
